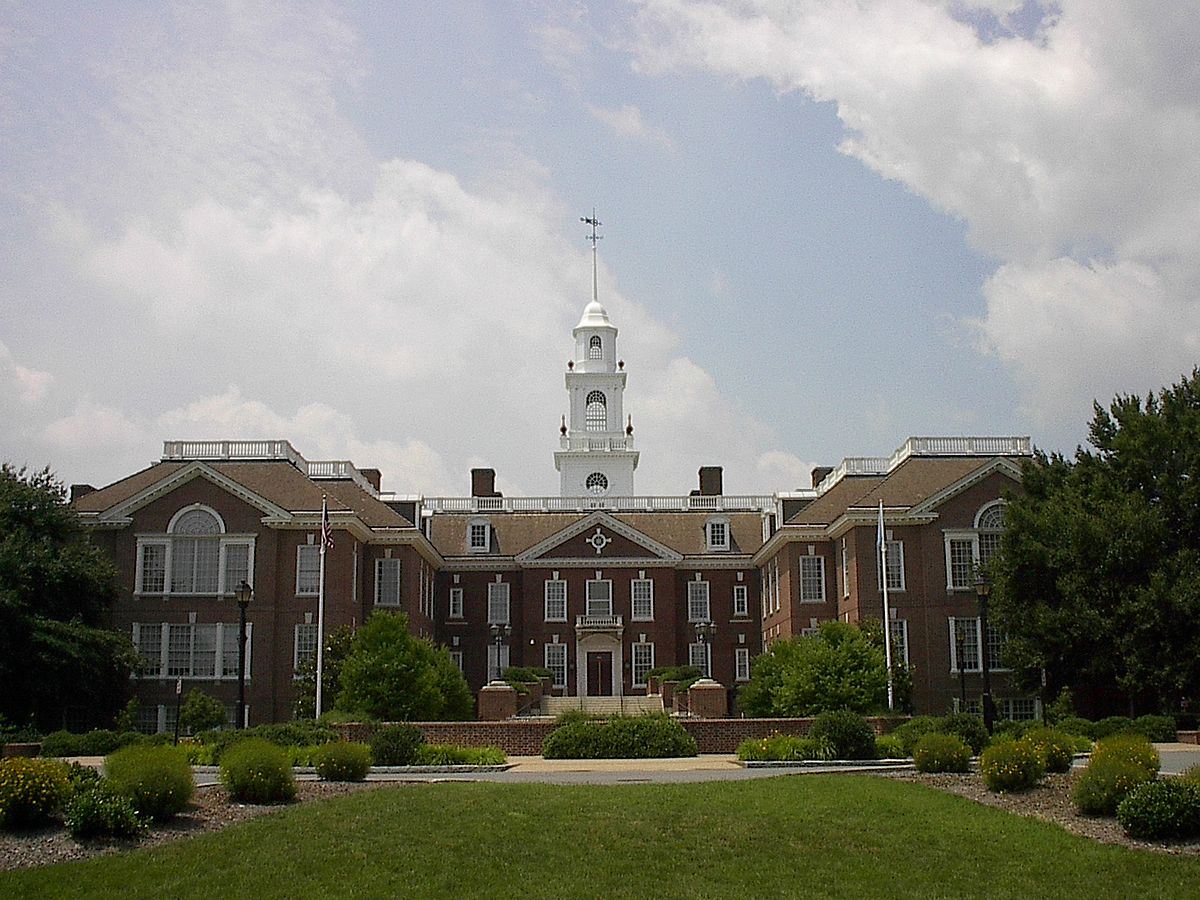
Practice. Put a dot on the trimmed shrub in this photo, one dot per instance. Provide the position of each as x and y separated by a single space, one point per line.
969 727
300 733
100 742
621 737
61 743
1156 728
915 729
31 790
396 745
784 748
1077 725
1007 728
342 761
888 746
1110 726
1118 765
936 752
1191 775
1169 808
1011 765
1056 749
257 771
686 676
101 810
158 780
453 755
847 732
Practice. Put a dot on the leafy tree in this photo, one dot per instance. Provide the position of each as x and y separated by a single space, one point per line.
841 667
391 675
201 712
337 647
56 591
1098 581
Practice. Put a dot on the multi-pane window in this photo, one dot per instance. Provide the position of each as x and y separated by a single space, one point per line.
478 536
306 643
899 630
456 603
387 582
556 600
195 558
961 560
812 579
700 656
148 640
556 662
153 568
895 565
964 645
1019 709
308 569
599 597
188 650
845 569
596 483
496 668
741 602
643 662
718 535
996 640
990 526
698 606
498 594
595 347
741 663
229 651
642 593
237 566
456 657
595 417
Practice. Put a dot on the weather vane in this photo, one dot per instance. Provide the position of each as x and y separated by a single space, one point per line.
593 237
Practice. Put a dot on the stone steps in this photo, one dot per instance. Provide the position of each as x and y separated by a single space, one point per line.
603 706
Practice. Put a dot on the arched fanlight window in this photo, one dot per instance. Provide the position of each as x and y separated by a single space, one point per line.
595 347
990 525
596 483
196 521
195 552
596 414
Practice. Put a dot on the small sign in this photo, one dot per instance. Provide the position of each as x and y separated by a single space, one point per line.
178 686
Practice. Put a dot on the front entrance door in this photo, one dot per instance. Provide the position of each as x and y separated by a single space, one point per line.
599 674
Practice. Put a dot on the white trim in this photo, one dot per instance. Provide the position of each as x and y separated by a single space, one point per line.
392 562
601 519
711 534
633 656
455 593
817 563
741 601
701 588
315 551
546 599
741 663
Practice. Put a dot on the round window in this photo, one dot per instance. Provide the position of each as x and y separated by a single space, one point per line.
596 483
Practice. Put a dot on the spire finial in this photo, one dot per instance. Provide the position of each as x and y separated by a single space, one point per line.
593 237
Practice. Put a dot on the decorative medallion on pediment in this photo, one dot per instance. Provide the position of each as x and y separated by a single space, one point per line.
599 540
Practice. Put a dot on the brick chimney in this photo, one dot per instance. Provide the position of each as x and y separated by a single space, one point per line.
483 483
373 476
710 481
81 490
819 473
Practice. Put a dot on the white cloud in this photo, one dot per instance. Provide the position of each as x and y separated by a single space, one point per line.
27 386
627 122
1072 154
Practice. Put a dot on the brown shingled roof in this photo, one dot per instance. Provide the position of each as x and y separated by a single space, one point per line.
120 491
919 478
834 501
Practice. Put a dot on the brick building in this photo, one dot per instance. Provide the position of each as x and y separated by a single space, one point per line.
598 584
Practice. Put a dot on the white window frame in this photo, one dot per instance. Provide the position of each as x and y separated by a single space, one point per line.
961 537
456 603
648 598
499 592
895 566
392 599
591 611
970 627
224 650
716 531
495 671
557 665
694 657
305 629
816 564
741 663
845 569
699 593
553 585
313 550
899 632
456 657
479 536
140 578
641 667
741 601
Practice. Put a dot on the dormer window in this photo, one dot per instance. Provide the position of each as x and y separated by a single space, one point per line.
479 536
595 347
718 534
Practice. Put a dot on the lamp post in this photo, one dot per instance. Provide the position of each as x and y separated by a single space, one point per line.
243 594
982 589
705 633
500 633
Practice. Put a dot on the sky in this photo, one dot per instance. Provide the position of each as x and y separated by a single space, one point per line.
827 225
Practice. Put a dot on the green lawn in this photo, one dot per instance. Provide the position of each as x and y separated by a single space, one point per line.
811 836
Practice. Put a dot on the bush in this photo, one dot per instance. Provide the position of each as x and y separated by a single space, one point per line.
1056 749
784 747
1079 726
81 778
1161 809
969 727
1118 765
888 746
1191 775
396 745
915 729
1011 765
621 737
61 743
453 755
257 771
1014 730
158 780
342 761
100 742
201 712
101 810
1110 726
936 752
300 733
31 790
1156 728
847 732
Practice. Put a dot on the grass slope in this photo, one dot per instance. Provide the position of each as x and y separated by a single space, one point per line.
812 836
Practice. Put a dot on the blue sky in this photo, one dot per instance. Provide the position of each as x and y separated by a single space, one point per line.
828 226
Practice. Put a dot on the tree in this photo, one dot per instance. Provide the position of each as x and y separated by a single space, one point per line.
391 675
337 647
201 712
841 667
1098 579
56 592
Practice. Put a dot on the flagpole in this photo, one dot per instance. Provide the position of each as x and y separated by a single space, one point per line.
321 605
887 617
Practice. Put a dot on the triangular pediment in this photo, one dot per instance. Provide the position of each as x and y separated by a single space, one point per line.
126 508
599 537
1001 465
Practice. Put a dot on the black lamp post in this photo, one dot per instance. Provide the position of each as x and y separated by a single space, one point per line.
243 594
705 633
500 633
982 589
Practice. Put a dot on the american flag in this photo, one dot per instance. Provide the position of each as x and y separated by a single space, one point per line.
326 528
